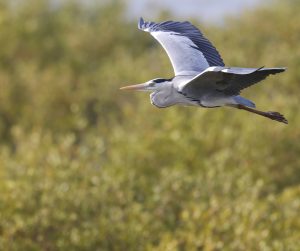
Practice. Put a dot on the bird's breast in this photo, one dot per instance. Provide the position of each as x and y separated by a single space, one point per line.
166 98
160 99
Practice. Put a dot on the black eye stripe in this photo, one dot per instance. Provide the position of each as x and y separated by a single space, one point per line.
159 80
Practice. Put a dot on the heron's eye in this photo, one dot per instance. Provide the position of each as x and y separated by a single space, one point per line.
151 84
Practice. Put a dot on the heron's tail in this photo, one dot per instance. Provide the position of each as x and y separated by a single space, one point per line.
243 101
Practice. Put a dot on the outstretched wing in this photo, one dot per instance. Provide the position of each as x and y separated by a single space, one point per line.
189 51
228 80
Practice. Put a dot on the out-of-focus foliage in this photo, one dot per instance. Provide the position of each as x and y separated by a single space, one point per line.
86 167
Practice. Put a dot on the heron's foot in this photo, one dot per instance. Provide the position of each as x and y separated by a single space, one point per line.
277 116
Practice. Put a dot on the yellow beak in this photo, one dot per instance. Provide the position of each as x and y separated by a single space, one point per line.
139 87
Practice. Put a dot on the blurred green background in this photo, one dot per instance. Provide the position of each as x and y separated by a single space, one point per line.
84 166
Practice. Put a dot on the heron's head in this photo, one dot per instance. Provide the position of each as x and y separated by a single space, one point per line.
151 85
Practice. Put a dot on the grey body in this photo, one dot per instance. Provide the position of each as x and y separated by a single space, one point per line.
177 92
214 87
201 77
180 92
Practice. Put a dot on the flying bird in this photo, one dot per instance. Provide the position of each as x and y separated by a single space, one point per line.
201 77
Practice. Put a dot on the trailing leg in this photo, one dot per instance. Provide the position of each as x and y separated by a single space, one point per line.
271 115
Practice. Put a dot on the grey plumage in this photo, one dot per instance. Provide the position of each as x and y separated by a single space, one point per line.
229 81
184 41
201 78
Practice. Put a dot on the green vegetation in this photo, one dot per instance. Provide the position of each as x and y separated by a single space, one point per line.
84 166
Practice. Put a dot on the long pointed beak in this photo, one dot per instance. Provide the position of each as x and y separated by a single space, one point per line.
139 87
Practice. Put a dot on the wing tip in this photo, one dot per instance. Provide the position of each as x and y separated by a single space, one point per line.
273 70
283 68
141 23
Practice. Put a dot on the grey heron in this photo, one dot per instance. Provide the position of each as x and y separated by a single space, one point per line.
201 77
